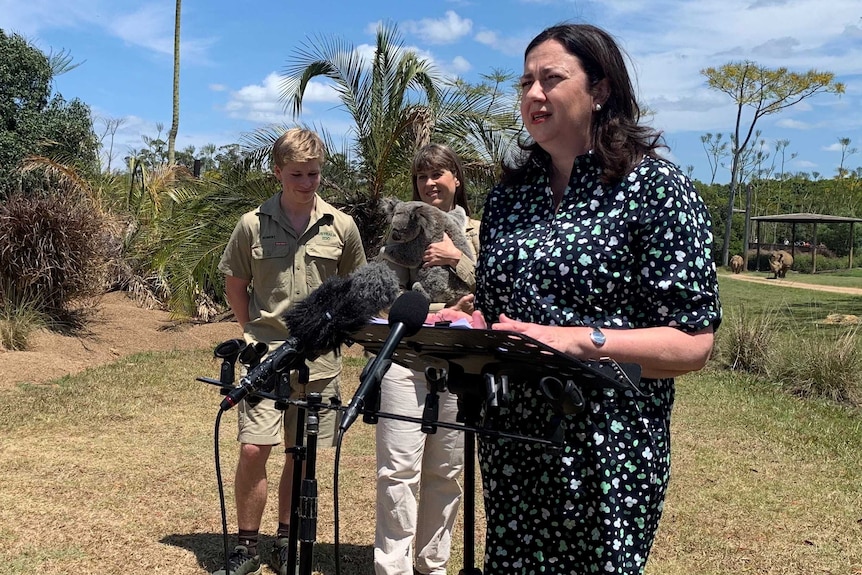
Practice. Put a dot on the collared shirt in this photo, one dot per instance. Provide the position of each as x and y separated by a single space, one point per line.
637 254
284 266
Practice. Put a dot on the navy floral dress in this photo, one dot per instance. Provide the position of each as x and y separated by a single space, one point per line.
637 254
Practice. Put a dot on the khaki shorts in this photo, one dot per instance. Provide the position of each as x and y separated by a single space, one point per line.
264 424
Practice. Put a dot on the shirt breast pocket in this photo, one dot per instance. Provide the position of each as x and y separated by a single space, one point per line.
272 265
321 262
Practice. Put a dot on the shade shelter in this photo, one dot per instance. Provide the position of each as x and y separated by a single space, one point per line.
806 218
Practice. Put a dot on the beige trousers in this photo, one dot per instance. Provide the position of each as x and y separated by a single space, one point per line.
418 492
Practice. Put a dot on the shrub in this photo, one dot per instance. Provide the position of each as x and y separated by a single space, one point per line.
804 263
51 252
18 319
823 367
746 342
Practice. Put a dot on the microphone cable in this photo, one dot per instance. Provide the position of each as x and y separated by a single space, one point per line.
335 514
221 491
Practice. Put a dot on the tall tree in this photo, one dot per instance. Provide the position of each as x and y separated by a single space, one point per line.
175 121
846 151
716 151
765 91
32 121
111 126
389 100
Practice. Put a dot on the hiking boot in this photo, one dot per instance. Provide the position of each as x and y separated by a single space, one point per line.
241 563
279 556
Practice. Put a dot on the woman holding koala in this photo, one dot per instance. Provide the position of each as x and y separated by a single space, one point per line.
413 535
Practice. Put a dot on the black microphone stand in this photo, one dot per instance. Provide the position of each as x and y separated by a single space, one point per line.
303 503
477 365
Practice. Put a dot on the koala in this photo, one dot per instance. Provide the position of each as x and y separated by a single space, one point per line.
413 226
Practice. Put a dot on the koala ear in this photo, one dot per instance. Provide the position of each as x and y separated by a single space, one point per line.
459 215
425 216
388 205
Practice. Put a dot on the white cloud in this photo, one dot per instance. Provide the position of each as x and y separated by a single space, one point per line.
508 45
152 27
258 103
149 25
261 103
446 30
848 151
792 124
460 64
31 18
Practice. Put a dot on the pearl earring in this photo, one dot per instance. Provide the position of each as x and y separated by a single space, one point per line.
598 107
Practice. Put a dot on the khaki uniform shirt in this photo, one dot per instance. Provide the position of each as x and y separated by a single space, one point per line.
284 267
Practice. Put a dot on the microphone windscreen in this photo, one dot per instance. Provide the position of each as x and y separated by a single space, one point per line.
340 306
374 288
410 309
312 319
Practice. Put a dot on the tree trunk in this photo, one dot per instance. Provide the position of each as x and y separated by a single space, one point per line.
728 225
747 227
175 122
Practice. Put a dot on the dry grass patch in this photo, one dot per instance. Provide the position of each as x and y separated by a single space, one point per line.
113 471
762 483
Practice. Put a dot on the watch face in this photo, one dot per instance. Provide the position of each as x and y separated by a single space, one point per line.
597 337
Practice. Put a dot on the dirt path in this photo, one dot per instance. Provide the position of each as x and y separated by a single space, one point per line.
120 328
792 284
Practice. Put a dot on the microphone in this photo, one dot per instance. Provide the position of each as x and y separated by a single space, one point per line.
287 355
406 317
321 322
341 306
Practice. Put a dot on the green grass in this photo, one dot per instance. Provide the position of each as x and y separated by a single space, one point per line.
799 310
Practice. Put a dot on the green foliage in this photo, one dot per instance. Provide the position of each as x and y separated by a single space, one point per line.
804 263
32 123
827 366
190 242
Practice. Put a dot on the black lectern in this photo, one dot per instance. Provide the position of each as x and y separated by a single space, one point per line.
477 365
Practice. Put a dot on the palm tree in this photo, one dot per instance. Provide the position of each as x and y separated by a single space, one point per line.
175 122
391 102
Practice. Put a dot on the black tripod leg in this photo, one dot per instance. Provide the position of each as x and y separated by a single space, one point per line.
307 511
469 409
298 451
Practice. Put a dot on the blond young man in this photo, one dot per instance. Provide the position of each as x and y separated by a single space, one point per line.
278 254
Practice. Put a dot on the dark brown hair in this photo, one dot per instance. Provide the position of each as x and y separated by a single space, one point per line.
437 156
618 139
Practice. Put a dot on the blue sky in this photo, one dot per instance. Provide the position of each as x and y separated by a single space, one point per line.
233 53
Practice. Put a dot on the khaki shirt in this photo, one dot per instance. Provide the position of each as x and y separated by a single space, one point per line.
264 249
